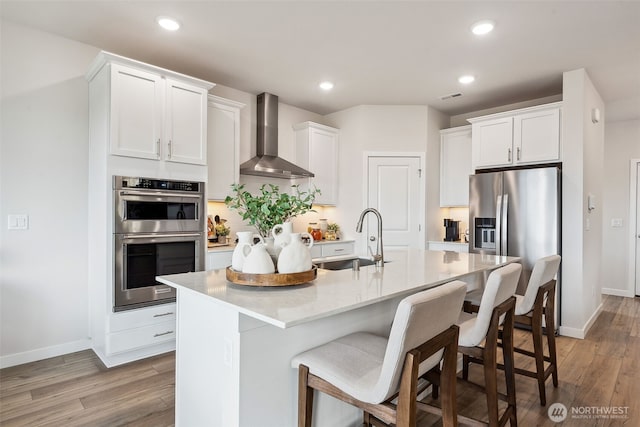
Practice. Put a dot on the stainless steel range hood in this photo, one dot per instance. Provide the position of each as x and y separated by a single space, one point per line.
266 162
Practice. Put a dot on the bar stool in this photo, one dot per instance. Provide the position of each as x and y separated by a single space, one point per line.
369 371
535 308
496 309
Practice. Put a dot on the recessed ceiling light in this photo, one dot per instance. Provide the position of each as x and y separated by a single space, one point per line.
465 80
167 23
483 27
326 85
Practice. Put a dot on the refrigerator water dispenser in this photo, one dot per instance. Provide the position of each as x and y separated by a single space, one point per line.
485 236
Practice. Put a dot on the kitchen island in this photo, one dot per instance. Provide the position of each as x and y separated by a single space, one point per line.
235 343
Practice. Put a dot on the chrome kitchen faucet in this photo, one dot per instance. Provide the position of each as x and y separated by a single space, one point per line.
379 255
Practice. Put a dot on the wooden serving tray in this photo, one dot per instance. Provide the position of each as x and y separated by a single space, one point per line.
273 279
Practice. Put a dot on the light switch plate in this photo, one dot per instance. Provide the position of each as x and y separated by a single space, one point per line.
18 222
616 222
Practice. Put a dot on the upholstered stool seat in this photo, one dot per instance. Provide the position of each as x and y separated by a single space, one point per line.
533 309
479 336
369 371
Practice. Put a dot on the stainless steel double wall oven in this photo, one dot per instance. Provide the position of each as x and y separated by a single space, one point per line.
159 229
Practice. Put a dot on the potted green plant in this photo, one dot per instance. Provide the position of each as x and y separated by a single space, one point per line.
333 231
222 231
270 207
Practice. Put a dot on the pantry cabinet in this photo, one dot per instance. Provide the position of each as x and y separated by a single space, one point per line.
223 146
317 152
144 121
519 137
154 113
455 166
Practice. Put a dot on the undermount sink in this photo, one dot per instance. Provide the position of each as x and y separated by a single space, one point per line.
344 264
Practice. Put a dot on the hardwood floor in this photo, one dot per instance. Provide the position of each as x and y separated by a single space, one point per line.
601 371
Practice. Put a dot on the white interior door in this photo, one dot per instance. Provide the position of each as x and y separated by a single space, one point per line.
394 189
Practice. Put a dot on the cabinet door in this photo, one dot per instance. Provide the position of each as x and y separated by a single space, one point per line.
323 149
536 136
186 123
492 143
317 151
455 167
223 141
136 112
218 259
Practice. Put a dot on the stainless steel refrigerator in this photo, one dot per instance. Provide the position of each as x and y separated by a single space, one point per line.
516 213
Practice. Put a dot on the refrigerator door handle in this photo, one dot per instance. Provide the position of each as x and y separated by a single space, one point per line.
504 232
498 234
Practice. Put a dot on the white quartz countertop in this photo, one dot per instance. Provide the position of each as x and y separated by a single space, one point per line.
407 271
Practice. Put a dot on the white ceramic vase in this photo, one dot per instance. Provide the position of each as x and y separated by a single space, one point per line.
281 233
257 260
244 238
295 256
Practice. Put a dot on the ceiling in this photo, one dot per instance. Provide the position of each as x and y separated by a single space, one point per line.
375 52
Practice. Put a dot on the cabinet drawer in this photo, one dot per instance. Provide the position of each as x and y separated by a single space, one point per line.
142 317
337 249
141 337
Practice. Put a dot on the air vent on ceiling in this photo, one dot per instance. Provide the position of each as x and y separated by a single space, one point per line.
451 95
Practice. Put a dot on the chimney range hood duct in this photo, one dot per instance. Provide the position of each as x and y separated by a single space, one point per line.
266 162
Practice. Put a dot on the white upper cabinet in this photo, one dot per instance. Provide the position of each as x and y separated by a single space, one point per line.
520 137
455 166
186 123
136 112
154 113
536 136
317 151
223 139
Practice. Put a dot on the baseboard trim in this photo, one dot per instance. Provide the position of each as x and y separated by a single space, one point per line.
44 353
618 292
580 333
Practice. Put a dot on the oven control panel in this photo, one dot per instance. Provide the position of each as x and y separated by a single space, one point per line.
121 182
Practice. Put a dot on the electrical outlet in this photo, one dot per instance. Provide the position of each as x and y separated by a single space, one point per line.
18 222
616 222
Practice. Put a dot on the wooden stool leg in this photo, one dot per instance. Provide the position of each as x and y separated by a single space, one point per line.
509 368
491 382
305 397
465 367
538 350
551 340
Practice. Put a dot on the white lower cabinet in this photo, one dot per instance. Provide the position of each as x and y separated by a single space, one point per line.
449 246
145 336
332 248
218 259
140 328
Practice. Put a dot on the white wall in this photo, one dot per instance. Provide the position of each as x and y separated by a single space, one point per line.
622 143
44 309
582 173
399 128
43 173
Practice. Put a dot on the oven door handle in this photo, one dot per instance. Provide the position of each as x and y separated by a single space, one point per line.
159 194
162 236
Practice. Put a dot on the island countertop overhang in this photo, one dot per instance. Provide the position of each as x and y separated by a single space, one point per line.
333 292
